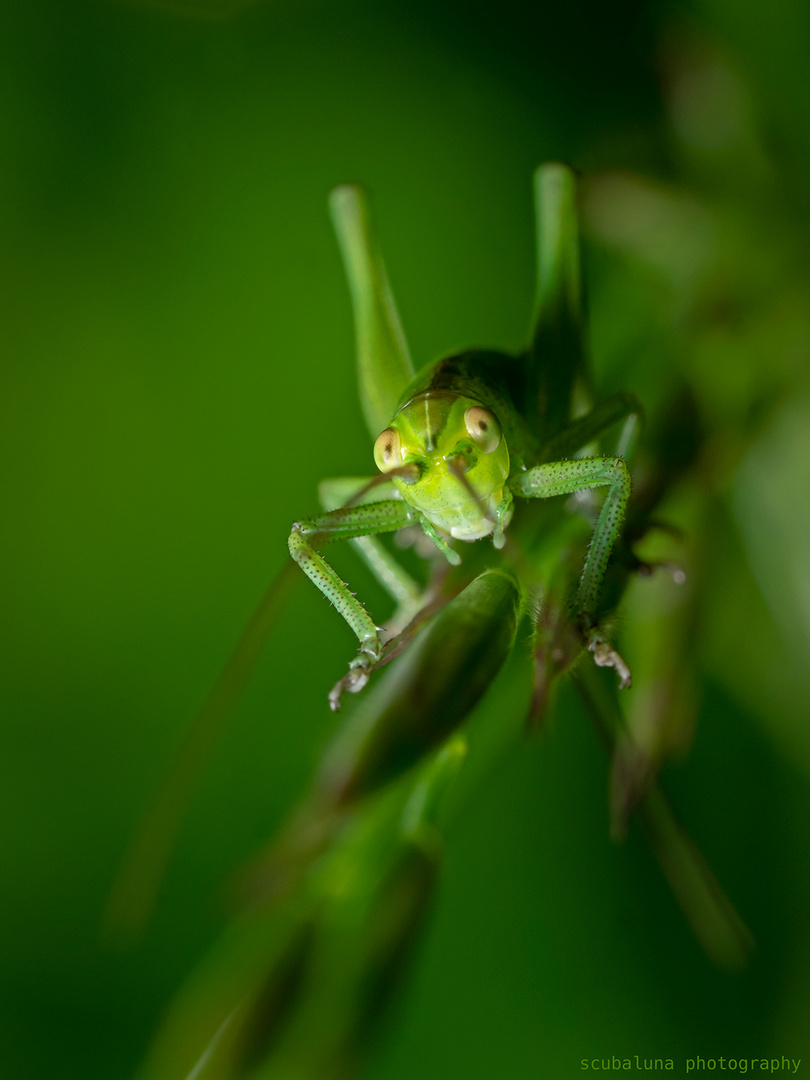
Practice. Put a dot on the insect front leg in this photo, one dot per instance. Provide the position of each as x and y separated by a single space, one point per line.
580 474
408 594
346 524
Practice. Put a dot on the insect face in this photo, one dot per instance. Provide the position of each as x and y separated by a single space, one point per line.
461 458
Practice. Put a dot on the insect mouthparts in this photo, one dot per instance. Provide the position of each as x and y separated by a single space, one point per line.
458 464
409 473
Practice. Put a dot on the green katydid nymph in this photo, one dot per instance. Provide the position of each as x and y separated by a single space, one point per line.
467 452
458 442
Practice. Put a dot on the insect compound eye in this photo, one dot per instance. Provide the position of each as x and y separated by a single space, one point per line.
483 428
386 450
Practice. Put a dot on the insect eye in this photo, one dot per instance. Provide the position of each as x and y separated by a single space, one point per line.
386 450
483 428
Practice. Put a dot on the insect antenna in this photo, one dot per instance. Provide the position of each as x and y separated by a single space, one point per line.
458 467
409 473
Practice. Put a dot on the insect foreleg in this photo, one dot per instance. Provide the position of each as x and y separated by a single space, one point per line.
346 524
433 534
398 583
565 478
503 515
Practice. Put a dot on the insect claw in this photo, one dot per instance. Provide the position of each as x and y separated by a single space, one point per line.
352 682
605 656
357 676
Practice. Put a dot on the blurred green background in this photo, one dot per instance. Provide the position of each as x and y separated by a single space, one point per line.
177 376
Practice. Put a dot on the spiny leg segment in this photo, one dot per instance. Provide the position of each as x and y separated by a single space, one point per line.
345 524
565 478
407 593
